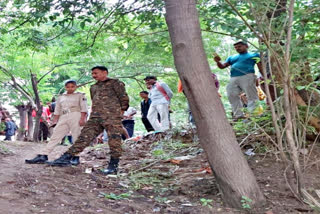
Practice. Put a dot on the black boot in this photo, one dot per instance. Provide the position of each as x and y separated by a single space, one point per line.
112 168
65 160
38 159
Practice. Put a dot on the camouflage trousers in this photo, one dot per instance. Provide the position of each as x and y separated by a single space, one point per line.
92 129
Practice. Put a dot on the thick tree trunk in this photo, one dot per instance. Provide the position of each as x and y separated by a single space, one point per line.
22 127
30 124
231 169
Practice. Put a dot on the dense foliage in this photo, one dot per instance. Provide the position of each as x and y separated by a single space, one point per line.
60 40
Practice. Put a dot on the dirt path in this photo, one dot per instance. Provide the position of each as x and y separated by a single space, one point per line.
163 187
42 189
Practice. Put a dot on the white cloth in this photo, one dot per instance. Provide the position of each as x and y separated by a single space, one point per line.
130 112
157 97
163 110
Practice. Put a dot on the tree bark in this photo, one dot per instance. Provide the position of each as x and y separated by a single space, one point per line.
39 108
231 169
22 127
30 123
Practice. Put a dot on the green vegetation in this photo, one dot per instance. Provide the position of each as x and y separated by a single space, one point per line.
206 202
44 43
245 201
113 196
4 150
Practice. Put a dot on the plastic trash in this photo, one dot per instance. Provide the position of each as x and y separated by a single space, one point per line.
249 152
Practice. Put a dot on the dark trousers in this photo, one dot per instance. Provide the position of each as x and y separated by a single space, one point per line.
43 132
8 137
147 124
129 125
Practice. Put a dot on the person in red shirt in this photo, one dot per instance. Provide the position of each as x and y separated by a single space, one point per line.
44 120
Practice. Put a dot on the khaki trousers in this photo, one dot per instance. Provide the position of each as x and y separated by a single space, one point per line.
237 85
67 123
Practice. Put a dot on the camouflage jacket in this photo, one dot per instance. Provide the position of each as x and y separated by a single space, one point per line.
109 98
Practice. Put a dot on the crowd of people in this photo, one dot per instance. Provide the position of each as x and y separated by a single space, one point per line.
10 127
111 114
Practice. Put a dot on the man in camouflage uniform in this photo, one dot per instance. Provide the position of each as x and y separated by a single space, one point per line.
109 101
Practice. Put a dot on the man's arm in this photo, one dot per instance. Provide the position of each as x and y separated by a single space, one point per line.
119 88
55 119
220 65
133 112
7 126
57 110
259 64
167 89
83 109
83 103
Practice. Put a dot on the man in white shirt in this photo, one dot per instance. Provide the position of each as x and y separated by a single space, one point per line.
128 120
160 95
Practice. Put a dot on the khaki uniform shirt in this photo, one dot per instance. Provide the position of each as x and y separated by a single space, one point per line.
75 102
109 97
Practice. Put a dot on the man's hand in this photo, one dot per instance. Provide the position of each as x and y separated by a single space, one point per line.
127 117
216 57
83 118
52 123
82 122
54 120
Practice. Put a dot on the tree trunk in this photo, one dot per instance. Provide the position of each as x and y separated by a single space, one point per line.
304 97
313 121
310 96
231 169
22 127
30 123
39 108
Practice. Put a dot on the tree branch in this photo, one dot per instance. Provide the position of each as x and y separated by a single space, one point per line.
19 25
244 20
231 35
54 67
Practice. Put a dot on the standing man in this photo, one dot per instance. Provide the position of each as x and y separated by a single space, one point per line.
44 123
242 79
145 105
109 101
128 120
160 95
69 116
10 129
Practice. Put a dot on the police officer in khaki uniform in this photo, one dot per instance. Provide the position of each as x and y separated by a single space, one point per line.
109 101
70 115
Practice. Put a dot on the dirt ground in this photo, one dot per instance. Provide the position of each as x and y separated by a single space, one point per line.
147 182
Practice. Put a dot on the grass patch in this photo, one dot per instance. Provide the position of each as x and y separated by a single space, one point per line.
4 150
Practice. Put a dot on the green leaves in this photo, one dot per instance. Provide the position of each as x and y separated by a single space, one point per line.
245 201
206 202
113 196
